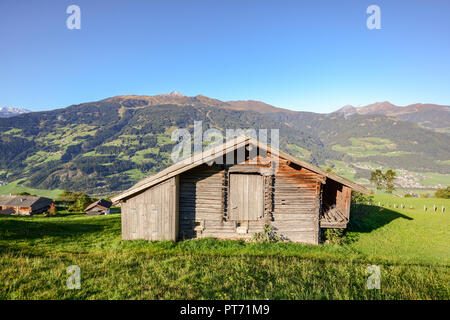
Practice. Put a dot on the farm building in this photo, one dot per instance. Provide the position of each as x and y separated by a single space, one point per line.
210 196
24 205
98 208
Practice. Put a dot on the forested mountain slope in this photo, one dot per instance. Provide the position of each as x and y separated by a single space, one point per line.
108 145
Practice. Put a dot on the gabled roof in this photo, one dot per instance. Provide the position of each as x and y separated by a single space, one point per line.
21 201
100 203
228 146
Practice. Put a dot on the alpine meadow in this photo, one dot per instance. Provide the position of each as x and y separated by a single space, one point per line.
224 159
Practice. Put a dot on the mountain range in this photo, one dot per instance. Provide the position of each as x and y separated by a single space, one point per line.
106 146
7 112
429 116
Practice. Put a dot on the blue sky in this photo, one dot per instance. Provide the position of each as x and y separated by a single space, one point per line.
302 55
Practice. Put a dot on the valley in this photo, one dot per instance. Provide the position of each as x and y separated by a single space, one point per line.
106 146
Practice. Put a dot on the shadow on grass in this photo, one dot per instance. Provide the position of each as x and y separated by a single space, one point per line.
27 230
366 218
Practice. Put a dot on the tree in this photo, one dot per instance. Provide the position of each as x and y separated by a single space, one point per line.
81 202
376 177
23 193
389 178
383 180
443 193
67 196
408 195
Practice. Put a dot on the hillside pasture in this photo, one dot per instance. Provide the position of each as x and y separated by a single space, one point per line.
410 246
18 187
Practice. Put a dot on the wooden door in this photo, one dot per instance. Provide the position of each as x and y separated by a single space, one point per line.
246 197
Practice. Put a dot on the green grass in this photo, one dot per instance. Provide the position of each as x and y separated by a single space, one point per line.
433 179
410 246
364 147
443 162
298 151
14 132
15 187
66 136
164 139
341 168
135 174
408 235
41 157
139 155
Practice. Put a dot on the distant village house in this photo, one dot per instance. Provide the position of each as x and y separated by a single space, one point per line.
24 205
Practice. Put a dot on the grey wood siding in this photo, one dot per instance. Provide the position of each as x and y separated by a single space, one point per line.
290 197
200 201
152 214
204 205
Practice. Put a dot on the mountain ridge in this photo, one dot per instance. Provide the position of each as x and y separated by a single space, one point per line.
429 116
175 97
387 108
7 112
107 145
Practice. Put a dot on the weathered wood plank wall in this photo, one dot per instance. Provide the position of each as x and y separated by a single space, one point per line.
152 214
296 194
343 200
291 203
201 203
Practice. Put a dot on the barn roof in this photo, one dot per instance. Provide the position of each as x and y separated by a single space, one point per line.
20 201
213 153
100 203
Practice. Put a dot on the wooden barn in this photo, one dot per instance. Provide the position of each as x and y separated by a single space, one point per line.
99 207
24 205
211 196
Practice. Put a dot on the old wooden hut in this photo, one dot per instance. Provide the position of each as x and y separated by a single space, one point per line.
99 207
210 195
24 205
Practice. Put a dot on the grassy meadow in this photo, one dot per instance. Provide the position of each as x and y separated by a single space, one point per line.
411 246
18 187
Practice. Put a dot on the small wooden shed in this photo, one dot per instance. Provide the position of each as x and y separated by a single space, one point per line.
99 207
210 196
